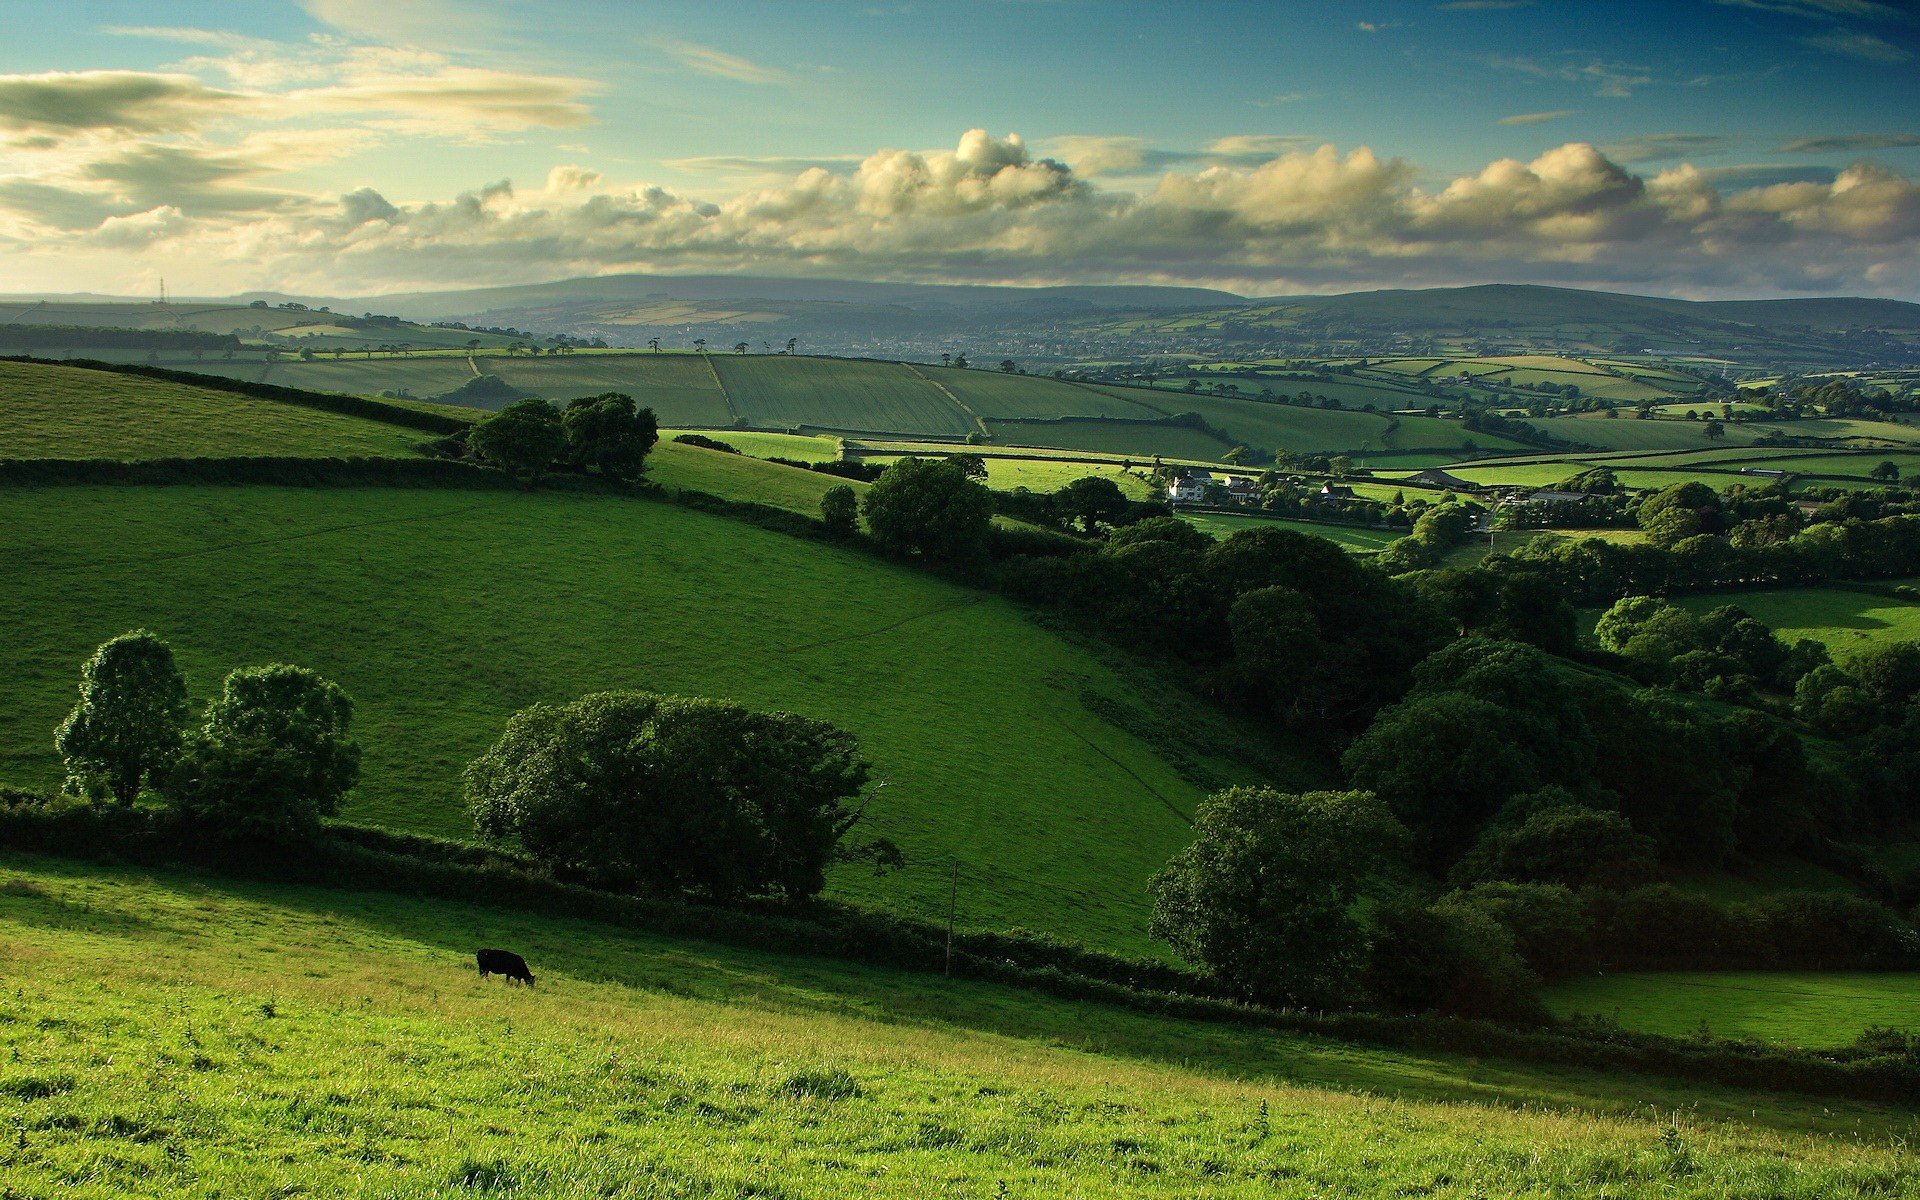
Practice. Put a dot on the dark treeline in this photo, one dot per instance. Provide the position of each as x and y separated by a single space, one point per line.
101 337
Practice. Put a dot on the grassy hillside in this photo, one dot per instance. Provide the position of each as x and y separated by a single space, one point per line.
850 394
273 1041
1843 618
1801 1008
443 613
70 412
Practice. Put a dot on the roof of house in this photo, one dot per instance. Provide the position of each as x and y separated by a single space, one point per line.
1549 496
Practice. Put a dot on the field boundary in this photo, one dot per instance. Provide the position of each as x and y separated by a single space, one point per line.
726 397
957 401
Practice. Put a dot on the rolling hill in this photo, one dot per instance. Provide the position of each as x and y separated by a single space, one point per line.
444 612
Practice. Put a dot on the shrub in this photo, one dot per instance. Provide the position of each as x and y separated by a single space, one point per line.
524 437
1821 930
1551 930
671 794
1562 842
1454 961
840 512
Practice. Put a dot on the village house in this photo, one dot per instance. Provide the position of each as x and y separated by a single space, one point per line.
1189 486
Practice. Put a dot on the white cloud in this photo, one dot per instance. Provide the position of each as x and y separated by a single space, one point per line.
1536 118
989 209
1863 46
708 60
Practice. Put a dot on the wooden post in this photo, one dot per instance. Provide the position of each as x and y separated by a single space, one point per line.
953 908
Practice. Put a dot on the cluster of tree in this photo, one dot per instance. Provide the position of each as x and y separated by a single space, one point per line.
1277 620
270 758
100 337
935 510
1435 531
634 791
1726 654
1771 550
604 434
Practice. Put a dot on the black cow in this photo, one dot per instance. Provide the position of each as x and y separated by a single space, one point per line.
503 962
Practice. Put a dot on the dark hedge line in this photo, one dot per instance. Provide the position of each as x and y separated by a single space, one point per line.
354 858
108 337
284 471
353 406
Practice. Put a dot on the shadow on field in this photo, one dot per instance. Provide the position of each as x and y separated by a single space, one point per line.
585 959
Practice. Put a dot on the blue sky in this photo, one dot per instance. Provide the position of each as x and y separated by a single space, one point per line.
1724 146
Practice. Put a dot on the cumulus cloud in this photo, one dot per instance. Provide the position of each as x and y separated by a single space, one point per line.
991 209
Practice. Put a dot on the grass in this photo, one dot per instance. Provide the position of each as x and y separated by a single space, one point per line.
444 613
71 412
179 1035
742 477
798 447
1842 618
1802 1008
779 392
1140 442
1353 537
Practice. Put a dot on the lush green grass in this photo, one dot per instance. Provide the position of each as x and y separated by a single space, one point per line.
1842 618
1141 442
796 446
1353 537
994 395
443 613
71 412
1803 1008
779 392
178 1035
742 477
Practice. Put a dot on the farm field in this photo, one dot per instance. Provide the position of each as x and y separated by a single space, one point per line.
850 394
1137 441
442 613
1353 537
70 412
282 1039
796 446
996 396
1843 618
1801 1008
741 477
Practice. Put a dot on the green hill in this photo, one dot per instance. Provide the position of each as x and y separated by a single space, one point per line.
177 1035
444 612
51 411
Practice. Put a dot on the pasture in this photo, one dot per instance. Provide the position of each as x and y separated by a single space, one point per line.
277 1040
1843 618
838 394
442 613
1353 537
742 477
1801 1008
51 411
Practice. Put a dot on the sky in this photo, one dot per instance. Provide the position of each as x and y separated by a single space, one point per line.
1707 148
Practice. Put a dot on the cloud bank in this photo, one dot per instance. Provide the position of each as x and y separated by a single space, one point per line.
1258 214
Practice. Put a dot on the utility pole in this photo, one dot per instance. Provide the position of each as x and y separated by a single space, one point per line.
953 909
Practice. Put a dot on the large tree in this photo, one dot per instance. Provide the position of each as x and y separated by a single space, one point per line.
524 437
929 508
671 793
1093 501
127 725
608 434
1263 898
273 757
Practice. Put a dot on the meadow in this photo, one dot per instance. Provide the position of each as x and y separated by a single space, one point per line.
1801 1008
71 412
1353 537
442 613
173 1034
1843 618
830 393
742 477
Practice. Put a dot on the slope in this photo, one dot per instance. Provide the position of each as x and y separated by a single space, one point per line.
51 411
443 613
281 1040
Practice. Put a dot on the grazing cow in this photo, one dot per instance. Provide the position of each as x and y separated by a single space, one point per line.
503 962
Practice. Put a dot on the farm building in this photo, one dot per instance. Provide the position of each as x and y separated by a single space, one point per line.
1189 486
1435 477
1335 491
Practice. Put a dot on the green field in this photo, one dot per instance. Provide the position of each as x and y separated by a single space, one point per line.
1841 617
1353 537
444 612
1801 1008
994 395
796 446
742 477
171 1034
832 393
70 412
1140 442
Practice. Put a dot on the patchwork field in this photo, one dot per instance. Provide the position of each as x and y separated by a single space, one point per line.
831 393
281 1040
443 613
1843 618
70 412
1801 1008
1353 537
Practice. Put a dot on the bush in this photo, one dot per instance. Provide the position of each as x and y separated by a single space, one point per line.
1561 842
1551 930
671 794
1826 930
1452 961
840 512
524 437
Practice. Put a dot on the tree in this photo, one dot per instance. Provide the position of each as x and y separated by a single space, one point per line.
1008 366
654 344
1549 837
273 756
739 347
1887 472
524 437
929 508
791 343
671 794
700 345
1093 500
1263 898
840 512
126 727
1714 429
608 434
